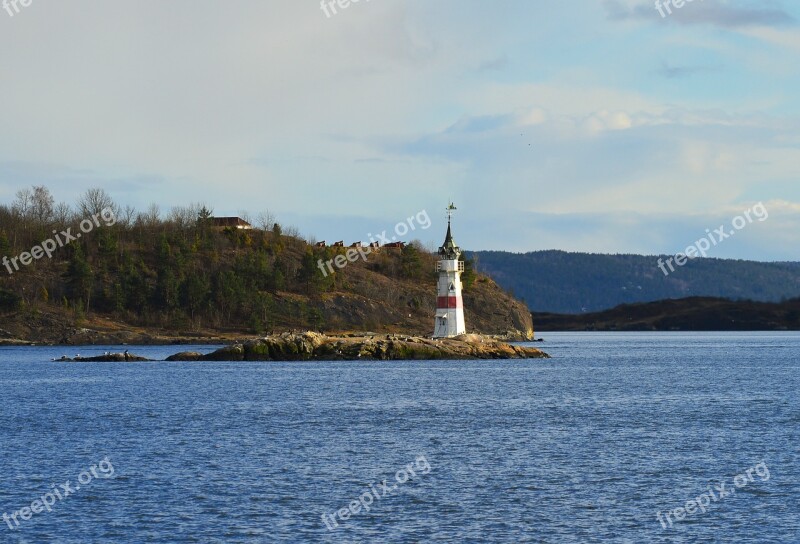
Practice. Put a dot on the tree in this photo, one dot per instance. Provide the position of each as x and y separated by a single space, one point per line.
61 214
277 280
9 300
204 219
94 201
151 217
22 204
315 317
266 220
309 274
229 290
5 245
195 292
42 205
167 289
410 262
468 276
106 245
79 277
133 292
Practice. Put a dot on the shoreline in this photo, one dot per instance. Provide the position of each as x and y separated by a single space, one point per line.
89 337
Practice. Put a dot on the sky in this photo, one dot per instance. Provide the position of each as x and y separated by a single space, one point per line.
582 125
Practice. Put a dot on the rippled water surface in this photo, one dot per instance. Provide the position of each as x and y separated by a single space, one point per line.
586 447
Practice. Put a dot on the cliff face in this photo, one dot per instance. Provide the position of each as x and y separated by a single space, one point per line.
494 311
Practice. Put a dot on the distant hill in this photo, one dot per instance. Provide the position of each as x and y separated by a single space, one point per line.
689 314
561 282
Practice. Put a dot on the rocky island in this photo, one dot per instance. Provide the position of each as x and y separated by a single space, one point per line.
314 346
311 346
199 282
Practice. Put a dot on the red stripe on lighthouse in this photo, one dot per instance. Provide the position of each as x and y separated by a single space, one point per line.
449 302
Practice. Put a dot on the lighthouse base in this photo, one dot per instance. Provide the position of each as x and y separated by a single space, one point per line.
449 323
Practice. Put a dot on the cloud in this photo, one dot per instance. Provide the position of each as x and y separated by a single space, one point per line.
676 72
703 12
496 64
393 106
691 161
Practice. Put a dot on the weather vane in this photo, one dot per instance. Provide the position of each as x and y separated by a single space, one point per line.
450 209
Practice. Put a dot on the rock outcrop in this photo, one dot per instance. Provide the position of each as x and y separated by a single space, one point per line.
106 358
313 346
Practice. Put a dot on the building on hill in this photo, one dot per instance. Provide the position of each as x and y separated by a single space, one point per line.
230 222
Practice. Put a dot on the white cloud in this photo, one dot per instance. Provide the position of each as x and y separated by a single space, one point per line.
392 106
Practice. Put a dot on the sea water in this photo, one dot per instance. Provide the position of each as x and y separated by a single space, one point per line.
620 437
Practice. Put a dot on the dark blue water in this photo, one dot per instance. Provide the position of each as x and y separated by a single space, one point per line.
585 447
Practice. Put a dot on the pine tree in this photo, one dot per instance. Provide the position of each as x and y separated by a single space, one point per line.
410 262
310 276
79 277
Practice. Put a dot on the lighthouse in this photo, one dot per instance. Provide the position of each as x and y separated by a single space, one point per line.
449 304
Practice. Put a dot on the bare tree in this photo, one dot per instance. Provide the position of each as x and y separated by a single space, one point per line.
127 216
151 217
21 206
291 231
94 201
266 220
21 212
182 217
62 214
41 205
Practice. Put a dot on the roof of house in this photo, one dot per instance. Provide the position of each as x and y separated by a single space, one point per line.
229 222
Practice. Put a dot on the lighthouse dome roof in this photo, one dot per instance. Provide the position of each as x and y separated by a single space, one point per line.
449 249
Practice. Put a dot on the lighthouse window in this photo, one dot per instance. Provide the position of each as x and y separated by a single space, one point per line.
452 287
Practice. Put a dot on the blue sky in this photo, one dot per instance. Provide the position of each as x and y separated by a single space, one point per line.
579 125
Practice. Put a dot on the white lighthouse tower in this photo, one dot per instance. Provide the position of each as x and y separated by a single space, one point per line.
449 304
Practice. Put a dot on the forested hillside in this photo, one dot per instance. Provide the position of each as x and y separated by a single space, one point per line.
561 282
177 272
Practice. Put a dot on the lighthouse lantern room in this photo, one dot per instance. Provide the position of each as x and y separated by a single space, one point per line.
449 303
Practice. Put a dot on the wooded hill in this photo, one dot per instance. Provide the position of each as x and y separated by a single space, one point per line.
689 314
573 283
180 273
